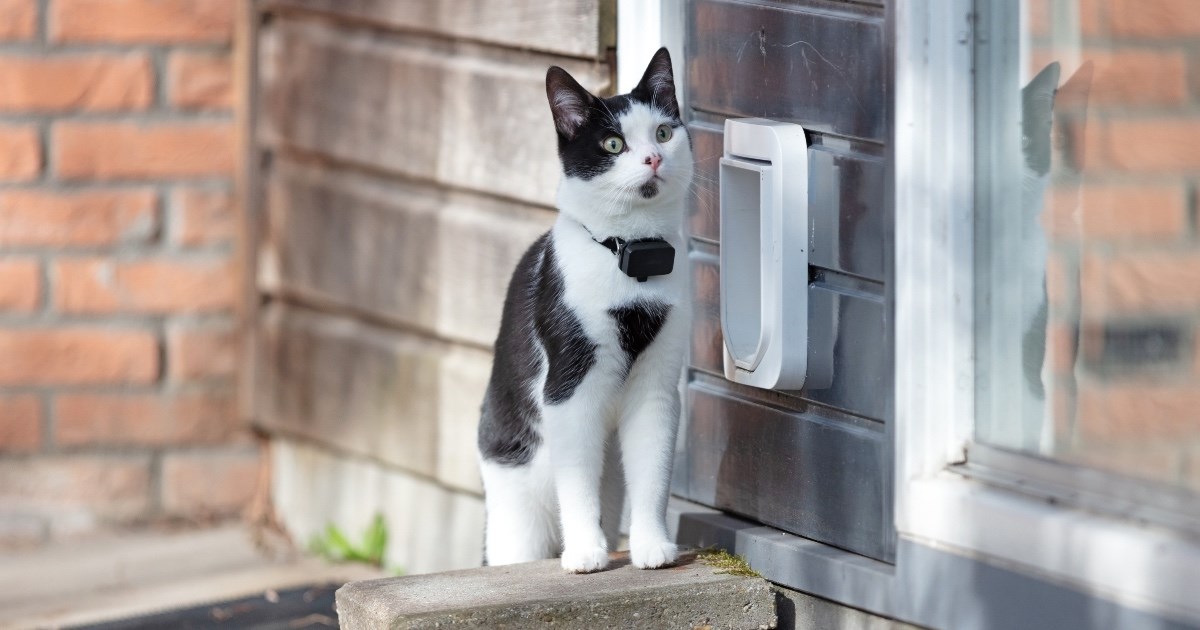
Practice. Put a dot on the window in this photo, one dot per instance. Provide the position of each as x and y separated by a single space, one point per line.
984 467
1087 262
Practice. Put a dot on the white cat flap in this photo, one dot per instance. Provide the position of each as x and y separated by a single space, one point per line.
764 253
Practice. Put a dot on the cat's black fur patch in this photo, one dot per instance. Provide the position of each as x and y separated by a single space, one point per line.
637 326
569 352
508 425
534 314
583 156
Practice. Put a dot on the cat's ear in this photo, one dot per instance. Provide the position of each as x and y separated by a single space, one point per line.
657 87
1042 88
569 102
1037 116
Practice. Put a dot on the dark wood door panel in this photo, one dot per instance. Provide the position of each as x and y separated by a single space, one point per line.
847 333
791 470
820 67
846 204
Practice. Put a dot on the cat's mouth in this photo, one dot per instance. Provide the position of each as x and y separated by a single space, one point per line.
649 189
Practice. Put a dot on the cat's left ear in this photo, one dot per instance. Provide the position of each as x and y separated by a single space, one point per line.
657 87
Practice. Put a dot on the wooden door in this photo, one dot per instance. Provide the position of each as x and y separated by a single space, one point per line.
814 462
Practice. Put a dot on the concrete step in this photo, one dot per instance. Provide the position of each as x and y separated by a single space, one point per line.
540 595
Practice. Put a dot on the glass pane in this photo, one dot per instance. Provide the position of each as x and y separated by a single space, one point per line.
1087 252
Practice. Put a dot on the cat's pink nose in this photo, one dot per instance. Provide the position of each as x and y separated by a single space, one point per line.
653 160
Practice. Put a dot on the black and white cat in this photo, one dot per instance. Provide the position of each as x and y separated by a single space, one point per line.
589 358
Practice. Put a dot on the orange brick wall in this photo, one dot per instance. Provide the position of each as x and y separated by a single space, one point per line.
1125 271
119 280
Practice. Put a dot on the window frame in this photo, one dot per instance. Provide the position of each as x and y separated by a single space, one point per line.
943 497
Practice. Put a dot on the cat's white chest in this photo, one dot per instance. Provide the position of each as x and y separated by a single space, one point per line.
594 285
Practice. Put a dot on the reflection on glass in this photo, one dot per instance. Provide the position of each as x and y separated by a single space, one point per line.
1087 253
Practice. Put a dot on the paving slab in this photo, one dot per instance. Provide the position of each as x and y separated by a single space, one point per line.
104 578
540 595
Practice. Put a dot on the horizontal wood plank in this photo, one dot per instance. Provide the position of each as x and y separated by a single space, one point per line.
822 68
580 28
848 343
392 396
420 256
792 470
846 204
429 110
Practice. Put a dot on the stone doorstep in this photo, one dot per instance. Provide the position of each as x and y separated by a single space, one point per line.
539 594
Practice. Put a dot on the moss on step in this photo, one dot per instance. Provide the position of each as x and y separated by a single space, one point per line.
726 562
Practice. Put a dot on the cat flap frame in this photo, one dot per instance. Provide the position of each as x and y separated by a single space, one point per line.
764 253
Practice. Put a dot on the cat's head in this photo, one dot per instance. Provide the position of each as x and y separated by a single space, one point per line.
629 154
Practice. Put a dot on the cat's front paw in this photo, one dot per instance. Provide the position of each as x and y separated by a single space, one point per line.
654 555
584 560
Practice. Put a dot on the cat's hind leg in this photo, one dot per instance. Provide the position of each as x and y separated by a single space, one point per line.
522 519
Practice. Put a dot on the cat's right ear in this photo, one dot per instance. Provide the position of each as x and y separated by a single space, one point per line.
569 102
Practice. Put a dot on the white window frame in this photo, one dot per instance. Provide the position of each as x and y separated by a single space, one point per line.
1144 567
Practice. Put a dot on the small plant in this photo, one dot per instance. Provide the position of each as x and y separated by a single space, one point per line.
333 545
726 562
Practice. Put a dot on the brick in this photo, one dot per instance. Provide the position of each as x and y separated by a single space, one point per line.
145 419
66 219
1118 212
1059 282
1154 19
20 153
116 487
200 353
1137 77
1037 14
1091 17
199 81
20 424
98 285
204 216
151 21
20 285
1141 282
1141 412
1060 348
1153 145
75 83
207 484
1084 141
77 356
18 19
86 150
1041 17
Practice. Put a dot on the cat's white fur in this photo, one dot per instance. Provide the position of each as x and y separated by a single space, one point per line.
554 502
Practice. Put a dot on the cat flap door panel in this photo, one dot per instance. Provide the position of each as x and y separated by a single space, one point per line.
764 253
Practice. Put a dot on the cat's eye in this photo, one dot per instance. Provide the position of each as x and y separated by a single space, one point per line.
664 133
613 144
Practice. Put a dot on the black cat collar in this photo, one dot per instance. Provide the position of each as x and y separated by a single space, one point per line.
641 258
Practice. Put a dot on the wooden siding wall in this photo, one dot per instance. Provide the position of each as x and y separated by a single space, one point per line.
405 160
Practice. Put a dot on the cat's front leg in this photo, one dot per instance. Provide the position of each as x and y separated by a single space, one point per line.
647 434
575 432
